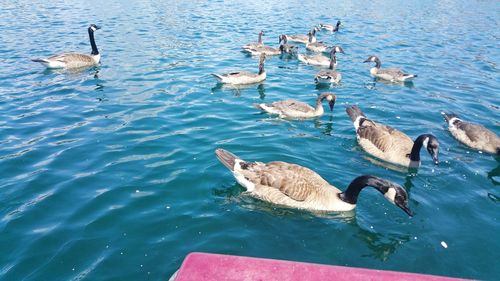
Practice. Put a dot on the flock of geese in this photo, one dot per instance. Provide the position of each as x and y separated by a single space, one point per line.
295 186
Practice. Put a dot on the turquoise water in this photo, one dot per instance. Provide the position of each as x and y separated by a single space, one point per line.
109 173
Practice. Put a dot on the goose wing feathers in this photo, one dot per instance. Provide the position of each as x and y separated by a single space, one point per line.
476 132
325 74
240 74
479 137
385 138
294 181
72 57
287 105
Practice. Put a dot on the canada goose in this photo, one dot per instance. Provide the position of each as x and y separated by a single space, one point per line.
240 78
269 51
389 144
320 59
295 186
473 135
285 47
330 75
390 74
303 38
330 27
298 109
254 45
74 60
315 46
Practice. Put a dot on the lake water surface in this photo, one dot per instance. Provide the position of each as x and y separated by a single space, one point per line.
110 174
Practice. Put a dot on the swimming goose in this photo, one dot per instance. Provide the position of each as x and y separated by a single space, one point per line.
329 75
389 144
315 46
253 45
330 27
241 78
298 109
303 38
473 135
74 60
320 59
390 74
285 47
295 186
269 51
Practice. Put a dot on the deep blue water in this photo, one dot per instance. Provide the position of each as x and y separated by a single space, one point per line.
109 173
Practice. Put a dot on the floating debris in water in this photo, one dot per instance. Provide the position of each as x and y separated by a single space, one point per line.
444 244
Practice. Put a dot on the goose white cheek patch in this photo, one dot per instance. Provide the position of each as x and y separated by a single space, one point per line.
390 194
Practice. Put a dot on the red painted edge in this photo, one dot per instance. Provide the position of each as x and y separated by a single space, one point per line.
217 267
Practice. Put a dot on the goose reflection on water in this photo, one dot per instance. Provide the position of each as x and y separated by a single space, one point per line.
494 175
238 89
372 84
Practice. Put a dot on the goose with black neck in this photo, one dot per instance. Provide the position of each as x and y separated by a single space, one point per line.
298 187
74 60
389 144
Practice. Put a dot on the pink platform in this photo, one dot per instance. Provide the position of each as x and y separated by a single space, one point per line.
212 267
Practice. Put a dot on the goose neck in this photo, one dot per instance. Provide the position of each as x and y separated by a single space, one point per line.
261 67
417 146
333 61
350 195
95 51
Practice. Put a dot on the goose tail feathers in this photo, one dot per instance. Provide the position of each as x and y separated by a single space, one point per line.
217 76
226 158
40 60
354 112
409 76
449 116
258 106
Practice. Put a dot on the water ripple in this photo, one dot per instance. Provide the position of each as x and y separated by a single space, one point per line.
110 173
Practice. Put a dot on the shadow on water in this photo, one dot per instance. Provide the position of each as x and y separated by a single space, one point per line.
382 246
328 125
494 175
236 90
372 85
74 73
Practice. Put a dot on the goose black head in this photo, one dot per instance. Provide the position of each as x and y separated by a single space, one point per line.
331 101
338 24
337 49
432 145
93 28
398 196
372 59
330 97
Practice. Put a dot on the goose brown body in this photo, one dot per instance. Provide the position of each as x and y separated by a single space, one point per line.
473 135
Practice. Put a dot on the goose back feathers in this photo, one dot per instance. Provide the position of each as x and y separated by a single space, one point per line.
242 78
473 135
297 109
